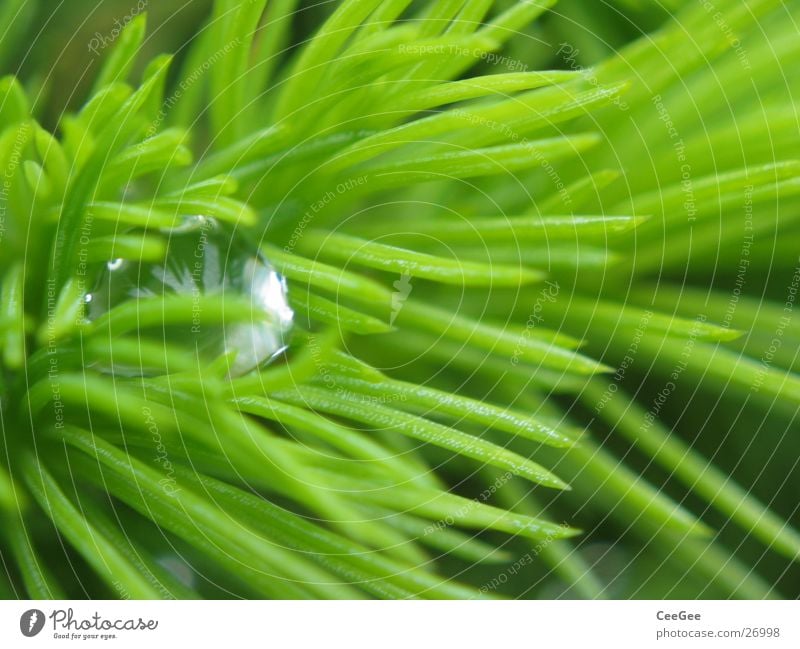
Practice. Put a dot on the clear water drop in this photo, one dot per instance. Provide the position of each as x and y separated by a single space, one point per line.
204 258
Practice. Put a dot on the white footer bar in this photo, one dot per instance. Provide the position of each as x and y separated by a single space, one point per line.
400 625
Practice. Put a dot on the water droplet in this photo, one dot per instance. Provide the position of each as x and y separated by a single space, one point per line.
204 258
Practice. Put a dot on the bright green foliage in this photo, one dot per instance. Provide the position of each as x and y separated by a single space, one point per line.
518 300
